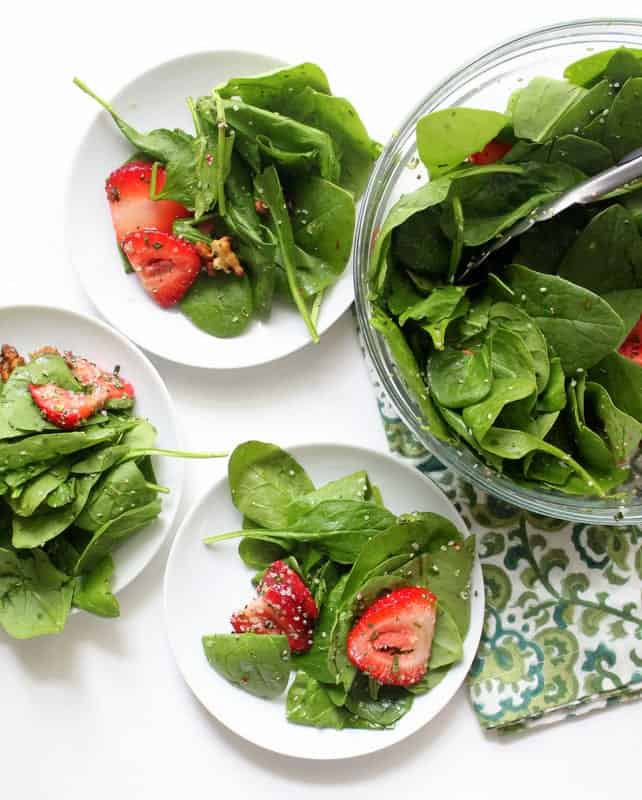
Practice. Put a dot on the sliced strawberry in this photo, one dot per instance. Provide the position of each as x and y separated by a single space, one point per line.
62 407
632 346
290 599
166 265
392 640
256 617
108 384
491 153
132 208
284 605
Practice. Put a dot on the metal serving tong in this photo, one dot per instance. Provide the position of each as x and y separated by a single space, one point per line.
626 170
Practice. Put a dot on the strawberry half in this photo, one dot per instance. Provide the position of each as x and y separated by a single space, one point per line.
109 385
392 640
132 208
632 346
166 265
491 153
284 605
62 407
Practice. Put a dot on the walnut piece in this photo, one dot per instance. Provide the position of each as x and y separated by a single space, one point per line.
224 259
10 358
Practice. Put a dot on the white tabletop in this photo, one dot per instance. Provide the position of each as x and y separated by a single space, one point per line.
101 710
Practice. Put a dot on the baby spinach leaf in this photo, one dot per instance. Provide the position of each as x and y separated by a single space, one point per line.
338 528
513 444
460 376
431 679
100 459
258 663
510 317
426 196
623 128
392 703
627 303
355 486
269 189
420 244
120 489
309 703
264 480
44 446
447 137
259 553
114 532
34 531
316 662
588 106
607 255
407 365
284 134
337 117
446 573
624 64
501 195
439 305
220 305
591 68
513 379
592 449
622 379
92 591
447 644
581 327
553 398
540 105
410 535
273 89
37 490
622 431
322 223
35 597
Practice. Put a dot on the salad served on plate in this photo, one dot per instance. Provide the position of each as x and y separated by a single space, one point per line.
257 202
531 359
365 608
76 481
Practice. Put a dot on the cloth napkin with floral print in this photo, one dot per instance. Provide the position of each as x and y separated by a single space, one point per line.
563 626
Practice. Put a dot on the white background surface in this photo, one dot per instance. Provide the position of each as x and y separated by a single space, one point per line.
101 711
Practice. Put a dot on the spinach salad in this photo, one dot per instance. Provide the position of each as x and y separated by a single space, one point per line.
257 203
518 358
337 574
76 481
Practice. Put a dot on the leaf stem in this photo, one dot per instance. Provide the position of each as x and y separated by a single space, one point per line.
83 86
153 194
220 152
195 119
159 451
316 307
156 488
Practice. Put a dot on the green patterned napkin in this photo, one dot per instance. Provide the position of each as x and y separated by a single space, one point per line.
563 628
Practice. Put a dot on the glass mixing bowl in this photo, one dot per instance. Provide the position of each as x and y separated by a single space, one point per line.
486 83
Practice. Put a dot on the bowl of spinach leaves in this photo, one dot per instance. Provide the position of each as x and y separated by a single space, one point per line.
517 374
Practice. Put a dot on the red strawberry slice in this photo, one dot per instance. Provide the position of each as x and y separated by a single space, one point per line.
491 153
108 384
132 208
392 640
632 346
166 265
284 605
62 407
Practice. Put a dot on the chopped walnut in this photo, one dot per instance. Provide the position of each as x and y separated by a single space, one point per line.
47 350
221 257
10 358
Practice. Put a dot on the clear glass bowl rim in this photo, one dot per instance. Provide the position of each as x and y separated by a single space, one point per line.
576 509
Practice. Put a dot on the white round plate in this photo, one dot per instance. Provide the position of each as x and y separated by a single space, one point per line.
204 585
28 327
156 99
